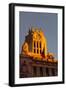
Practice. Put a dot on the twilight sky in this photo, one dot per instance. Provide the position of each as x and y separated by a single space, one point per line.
46 21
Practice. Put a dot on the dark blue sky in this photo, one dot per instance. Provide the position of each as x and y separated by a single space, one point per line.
46 21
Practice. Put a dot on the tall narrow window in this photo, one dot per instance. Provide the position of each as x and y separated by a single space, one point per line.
34 50
47 72
34 44
37 44
37 50
40 51
40 44
53 71
34 71
41 71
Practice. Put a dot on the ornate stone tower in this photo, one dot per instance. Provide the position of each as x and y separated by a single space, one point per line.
35 61
35 43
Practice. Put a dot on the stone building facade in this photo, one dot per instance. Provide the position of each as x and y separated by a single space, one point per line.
35 60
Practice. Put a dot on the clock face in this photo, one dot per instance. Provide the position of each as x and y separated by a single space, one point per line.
39 36
35 36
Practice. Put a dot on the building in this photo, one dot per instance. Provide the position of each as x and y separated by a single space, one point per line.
35 60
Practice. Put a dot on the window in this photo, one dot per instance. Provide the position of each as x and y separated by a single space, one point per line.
40 51
34 71
41 71
37 51
34 50
37 44
37 47
34 47
40 44
47 72
34 44
53 72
